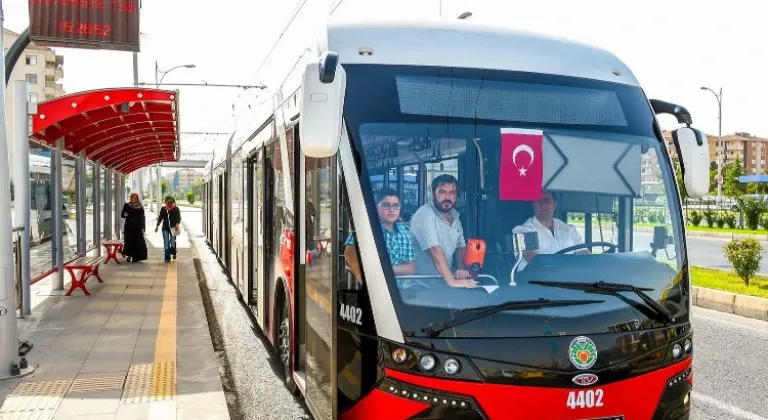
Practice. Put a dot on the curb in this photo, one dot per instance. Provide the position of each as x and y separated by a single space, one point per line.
743 305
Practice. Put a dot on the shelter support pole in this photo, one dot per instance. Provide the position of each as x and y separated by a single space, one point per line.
119 201
159 190
9 350
108 210
80 199
57 236
97 208
148 202
21 186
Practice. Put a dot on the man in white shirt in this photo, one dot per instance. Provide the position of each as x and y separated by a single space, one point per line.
554 234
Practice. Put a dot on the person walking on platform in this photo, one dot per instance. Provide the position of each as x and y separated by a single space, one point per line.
170 217
134 246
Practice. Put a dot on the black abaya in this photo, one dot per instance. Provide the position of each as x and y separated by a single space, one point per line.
134 245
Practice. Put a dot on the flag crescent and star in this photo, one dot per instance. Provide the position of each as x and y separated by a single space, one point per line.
522 148
521 169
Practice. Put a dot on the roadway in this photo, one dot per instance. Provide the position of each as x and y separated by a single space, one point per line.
702 251
730 366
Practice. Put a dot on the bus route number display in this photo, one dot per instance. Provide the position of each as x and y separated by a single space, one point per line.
94 24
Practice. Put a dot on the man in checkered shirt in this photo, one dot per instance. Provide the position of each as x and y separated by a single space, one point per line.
397 237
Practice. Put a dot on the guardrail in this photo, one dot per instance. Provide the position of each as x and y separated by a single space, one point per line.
17 232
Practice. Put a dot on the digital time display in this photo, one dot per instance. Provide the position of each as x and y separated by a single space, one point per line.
102 24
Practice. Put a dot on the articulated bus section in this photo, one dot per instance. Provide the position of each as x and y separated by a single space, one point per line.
429 233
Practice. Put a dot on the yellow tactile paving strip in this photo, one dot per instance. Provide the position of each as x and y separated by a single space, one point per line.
157 381
150 382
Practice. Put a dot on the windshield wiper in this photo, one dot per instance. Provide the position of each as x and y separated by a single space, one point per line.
602 286
482 311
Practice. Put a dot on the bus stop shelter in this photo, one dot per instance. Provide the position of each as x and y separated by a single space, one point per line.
115 132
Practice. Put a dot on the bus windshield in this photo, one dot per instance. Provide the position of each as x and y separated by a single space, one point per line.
456 164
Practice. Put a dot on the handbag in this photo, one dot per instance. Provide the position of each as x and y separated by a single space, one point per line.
173 231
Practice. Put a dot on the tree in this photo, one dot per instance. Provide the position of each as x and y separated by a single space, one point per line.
164 186
191 197
197 187
731 185
713 176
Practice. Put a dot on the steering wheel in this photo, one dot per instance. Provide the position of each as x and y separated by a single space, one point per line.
589 245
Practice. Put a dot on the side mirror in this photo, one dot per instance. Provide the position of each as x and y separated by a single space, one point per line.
322 103
694 154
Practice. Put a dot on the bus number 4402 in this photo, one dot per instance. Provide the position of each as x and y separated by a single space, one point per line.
585 399
351 313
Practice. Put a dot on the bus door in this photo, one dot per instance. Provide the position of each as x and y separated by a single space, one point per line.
316 306
221 215
227 210
256 229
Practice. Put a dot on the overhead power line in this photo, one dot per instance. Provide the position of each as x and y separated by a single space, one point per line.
271 50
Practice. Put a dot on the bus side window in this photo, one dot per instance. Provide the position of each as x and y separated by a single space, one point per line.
350 269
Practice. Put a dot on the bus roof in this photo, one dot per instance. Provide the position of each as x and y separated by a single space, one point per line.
460 43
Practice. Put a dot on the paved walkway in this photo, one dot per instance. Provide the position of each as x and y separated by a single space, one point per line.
138 348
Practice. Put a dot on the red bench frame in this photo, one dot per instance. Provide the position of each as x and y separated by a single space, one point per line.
88 266
112 248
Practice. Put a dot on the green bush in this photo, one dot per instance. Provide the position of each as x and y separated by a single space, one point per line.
709 215
652 217
191 197
730 220
764 221
752 211
720 220
696 218
745 256
662 218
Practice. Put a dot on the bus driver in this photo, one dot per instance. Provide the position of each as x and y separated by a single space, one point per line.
554 234
438 235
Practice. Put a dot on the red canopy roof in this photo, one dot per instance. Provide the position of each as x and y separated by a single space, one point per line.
123 129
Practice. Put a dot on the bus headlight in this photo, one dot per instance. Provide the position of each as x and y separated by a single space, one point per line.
451 366
399 355
427 363
687 345
677 350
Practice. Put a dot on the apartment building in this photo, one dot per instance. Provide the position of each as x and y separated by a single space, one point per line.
749 149
41 68
182 180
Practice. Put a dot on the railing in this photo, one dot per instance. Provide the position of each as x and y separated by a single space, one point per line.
17 232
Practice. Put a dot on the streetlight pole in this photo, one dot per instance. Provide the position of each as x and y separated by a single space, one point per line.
165 73
157 167
719 180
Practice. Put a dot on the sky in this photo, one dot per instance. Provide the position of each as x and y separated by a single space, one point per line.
673 48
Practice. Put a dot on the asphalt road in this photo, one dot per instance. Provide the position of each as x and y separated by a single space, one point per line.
730 354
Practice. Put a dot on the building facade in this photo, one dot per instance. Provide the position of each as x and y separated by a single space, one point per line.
181 181
750 150
42 69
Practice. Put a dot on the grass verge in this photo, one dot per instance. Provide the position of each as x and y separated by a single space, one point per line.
729 282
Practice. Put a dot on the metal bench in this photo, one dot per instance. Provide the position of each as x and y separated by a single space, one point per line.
112 248
88 266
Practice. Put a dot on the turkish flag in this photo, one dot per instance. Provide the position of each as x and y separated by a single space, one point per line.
522 164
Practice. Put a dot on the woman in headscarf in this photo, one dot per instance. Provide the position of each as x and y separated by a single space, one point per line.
170 217
134 246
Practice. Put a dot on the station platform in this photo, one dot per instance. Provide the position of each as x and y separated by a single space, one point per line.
139 347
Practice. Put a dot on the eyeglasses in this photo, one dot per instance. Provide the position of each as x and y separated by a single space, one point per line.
388 206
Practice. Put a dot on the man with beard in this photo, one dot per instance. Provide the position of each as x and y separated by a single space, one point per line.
439 237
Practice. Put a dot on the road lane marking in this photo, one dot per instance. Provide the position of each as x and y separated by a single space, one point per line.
733 411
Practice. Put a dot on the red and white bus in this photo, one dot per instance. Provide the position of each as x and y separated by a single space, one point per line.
482 312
